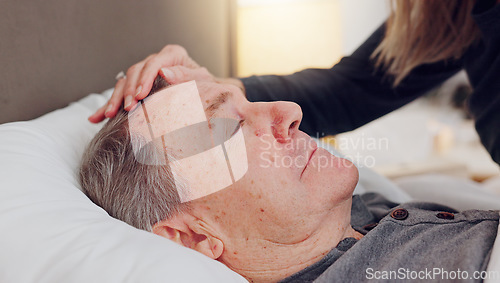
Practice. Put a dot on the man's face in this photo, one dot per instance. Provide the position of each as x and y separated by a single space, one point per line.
291 186
280 198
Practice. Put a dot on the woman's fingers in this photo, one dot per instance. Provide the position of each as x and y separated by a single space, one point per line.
173 75
147 76
174 55
110 109
140 77
131 85
116 99
180 74
98 116
170 55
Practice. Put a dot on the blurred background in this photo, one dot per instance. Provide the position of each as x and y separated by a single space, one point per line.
231 38
284 36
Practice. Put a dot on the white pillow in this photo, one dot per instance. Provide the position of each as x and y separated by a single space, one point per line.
51 232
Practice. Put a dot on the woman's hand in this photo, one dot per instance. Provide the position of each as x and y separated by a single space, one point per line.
172 62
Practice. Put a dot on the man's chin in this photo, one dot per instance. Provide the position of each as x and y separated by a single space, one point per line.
329 171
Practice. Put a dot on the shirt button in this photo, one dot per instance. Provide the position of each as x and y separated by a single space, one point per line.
445 215
399 214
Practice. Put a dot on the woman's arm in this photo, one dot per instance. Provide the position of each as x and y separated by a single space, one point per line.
350 94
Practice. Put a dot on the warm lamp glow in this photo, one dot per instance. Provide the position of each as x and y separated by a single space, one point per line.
284 36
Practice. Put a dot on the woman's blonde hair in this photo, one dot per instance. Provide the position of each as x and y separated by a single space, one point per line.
424 31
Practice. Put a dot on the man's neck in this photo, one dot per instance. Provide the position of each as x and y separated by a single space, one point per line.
260 260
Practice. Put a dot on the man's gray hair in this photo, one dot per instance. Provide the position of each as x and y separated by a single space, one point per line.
112 177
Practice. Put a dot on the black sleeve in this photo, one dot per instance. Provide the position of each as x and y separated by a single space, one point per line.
482 63
351 93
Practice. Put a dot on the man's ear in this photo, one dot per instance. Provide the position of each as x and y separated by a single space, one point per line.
186 230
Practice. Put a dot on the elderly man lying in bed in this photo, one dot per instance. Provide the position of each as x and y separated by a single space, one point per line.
290 216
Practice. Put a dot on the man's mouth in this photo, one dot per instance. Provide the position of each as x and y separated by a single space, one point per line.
309 159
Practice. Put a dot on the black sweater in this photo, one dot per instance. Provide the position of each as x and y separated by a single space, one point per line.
353 93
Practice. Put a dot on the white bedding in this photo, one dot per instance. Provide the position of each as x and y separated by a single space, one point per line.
51 232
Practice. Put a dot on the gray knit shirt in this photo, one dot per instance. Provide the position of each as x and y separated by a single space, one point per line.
425 242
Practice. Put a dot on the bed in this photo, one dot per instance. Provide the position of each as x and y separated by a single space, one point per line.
51 232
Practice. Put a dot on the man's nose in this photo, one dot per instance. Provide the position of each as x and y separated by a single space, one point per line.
286 117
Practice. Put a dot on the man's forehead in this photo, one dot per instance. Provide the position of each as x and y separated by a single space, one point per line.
211 91
179 105
209 152
207 91
168 110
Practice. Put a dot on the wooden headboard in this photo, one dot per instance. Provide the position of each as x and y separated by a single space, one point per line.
55 51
